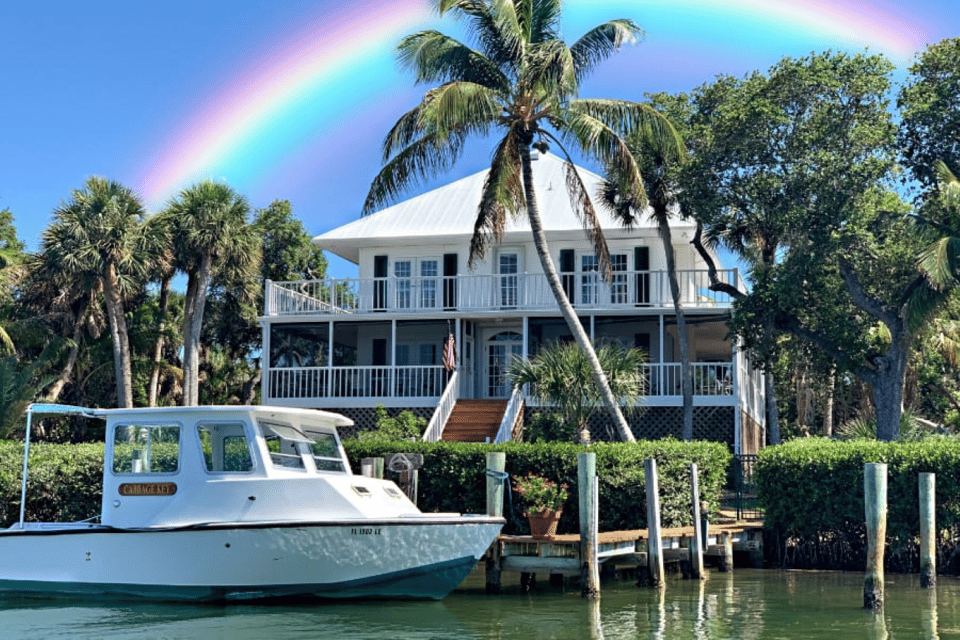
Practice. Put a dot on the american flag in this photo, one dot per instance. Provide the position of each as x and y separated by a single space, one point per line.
450 353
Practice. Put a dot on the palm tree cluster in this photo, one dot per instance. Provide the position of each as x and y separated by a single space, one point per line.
100 289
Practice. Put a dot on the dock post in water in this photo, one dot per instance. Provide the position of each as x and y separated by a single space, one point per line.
587 488
696 542
654 548
928 530
496 472
875 506
726 546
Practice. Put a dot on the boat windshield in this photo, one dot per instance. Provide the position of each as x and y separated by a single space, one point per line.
285 442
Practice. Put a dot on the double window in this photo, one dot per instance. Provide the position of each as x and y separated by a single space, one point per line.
416 283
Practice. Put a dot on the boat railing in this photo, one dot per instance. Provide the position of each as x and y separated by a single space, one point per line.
444 408
511 415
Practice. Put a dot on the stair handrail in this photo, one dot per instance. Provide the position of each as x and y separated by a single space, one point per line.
510 416
438 421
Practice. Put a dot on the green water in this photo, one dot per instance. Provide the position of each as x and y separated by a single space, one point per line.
748 604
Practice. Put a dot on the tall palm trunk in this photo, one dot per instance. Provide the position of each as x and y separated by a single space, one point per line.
686 371
162 303
828 405
53 394
118 333
192 322
566 309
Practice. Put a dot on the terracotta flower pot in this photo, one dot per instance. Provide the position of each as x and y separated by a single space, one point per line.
544 523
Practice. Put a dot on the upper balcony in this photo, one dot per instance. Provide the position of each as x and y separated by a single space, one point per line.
490 293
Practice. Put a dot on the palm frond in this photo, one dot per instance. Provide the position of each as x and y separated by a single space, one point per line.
583 207
502 195
601 141
939 261
459 108
436 57
550 71
544 19
949 184
424 158
601 42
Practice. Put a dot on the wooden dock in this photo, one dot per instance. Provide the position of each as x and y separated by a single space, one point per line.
560 554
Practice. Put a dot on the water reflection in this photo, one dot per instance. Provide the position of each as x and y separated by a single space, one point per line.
745 605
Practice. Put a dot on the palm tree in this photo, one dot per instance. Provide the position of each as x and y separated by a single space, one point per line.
560 375
99 237
211 235
940 262
658 162
523 81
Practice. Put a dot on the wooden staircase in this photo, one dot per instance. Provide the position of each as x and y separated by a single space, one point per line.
474 420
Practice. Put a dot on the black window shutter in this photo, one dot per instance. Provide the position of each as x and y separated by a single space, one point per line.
380 285
641 263
449 281
567 268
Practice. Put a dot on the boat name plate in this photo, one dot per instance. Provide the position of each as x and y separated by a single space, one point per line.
148 489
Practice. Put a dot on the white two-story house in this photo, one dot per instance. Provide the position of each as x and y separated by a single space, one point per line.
348 345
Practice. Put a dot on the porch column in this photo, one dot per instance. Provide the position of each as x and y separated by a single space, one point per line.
458 333
660 372
393 358
330 358
526 340
265 386
593 326
738 401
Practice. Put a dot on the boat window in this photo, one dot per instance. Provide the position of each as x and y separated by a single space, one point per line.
225 447
282 443
326 453
153 448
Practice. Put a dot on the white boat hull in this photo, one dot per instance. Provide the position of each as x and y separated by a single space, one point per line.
419 557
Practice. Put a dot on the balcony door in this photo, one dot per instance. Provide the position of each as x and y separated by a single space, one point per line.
501 350
508 278
416 283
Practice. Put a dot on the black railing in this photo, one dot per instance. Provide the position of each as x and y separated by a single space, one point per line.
741 495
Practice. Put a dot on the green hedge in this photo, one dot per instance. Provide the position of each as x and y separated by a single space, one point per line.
453 477
65 482
811 491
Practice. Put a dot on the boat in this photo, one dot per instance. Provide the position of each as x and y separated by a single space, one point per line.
232 503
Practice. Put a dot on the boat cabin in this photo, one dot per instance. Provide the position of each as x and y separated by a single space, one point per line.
184 466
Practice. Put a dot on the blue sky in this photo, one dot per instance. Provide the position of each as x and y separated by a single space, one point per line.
113 88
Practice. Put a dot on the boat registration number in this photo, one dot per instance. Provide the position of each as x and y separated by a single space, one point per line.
366 532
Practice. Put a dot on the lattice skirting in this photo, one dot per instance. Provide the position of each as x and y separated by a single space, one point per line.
363 418
654 423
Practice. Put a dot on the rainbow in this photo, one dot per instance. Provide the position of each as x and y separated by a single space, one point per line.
337 64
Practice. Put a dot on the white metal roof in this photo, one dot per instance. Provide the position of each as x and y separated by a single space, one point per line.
448 213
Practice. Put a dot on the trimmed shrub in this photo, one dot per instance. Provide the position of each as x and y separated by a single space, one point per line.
453 477
811 491
65 483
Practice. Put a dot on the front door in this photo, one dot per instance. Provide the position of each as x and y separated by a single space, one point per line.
502 349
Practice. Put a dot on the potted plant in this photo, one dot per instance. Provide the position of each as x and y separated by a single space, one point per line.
544 500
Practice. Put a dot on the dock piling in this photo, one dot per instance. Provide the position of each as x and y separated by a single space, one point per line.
654 549
928 530
588 490
696 542
875 506
496 469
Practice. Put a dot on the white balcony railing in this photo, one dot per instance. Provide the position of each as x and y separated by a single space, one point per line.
628 289
371 382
